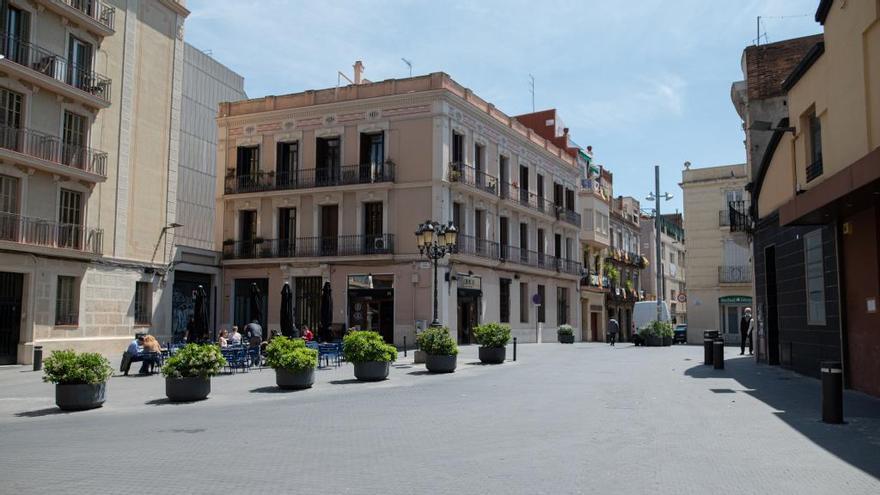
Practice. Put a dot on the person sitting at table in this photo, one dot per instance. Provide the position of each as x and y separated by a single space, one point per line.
151 346
132 354
307 334
235 337
222 338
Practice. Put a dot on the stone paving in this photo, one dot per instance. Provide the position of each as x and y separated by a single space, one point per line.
583 418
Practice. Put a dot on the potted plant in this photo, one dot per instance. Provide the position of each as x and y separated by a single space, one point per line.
80 379
565 334
493 339
188 372
293 362
369 353
651 335
665 332
441 352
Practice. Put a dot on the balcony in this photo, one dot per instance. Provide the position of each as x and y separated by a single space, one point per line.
51 154
309 247
44 233
53 72
527 199
469 176
95 16
739 218
814 169
568 216
310 178
594 281
525 257
735 274
470 245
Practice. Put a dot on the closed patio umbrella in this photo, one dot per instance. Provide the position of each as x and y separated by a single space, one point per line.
286 311
200 315
256 301
326 312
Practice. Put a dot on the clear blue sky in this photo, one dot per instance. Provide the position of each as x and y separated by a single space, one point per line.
644 82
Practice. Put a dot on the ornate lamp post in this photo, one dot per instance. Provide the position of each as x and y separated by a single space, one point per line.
435 241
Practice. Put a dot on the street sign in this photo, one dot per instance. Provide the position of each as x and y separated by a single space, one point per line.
682 298
536 299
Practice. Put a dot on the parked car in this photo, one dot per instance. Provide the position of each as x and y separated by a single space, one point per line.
680 334
644 312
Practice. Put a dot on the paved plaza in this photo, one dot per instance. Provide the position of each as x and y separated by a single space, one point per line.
583 418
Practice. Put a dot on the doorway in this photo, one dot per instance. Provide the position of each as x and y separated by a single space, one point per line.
772 323
468 314
594 326
10 316
329 230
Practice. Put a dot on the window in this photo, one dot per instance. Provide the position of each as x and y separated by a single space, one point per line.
672 294
543 300
79 69
247 162
524 241
327 161
672 257
10 119
287 163
70 219
588 220
286 232
523 302
504 304
504 237
143 303
478 157
457 148
247 232
374 235
9 221
561 305
17 34
569 199
815 280
66 306
74 140
373 149
814 168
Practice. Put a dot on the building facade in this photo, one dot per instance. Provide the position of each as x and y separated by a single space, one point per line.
624 263
86 188
329 186
595 195
196 259
815 211
671 265
718 262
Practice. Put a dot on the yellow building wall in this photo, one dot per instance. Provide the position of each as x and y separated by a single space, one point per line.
778 186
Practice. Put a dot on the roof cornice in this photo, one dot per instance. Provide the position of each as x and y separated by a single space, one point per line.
822 11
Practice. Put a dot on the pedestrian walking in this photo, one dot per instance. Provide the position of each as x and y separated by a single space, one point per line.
746 330
613 330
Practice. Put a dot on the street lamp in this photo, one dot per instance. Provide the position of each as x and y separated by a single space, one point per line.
435 241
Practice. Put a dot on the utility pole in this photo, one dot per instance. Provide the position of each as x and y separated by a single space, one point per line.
758 39
532 89
655 196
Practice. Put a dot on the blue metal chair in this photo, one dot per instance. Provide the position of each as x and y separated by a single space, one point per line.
327 352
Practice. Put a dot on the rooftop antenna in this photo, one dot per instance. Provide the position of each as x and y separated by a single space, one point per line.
532 90
408 64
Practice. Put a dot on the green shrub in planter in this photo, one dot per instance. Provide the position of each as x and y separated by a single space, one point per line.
188 372
360 346
565 334
294 363
492 335
80 379
437 341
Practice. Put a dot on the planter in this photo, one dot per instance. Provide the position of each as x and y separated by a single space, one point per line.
667 341
440 364
493 355
79 397
371 371
295 379
187 389
565 339
654 340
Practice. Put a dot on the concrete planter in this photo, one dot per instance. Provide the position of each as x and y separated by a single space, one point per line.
371 371
294 379
492 355
440 364
80 396
565 339
187 389
667 341
654 340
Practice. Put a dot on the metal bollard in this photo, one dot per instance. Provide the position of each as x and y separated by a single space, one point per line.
718 354
709 336
404 346
514 348
38 357
832 392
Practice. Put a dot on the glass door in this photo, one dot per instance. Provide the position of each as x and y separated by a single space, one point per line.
79 68
70 219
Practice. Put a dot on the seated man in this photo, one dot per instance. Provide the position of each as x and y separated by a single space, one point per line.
134 354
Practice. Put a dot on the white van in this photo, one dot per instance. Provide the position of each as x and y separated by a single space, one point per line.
644 312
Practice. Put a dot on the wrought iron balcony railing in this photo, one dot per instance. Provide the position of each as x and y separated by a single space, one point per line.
44 233
309 178
568 216
308 247
740 219
468 244
96 9
735 274
55 66
470 176
814 169
50 148
528 199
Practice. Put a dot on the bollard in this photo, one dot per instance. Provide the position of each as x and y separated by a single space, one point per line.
38 357
709 336
718 353
404 346
514 348
832 392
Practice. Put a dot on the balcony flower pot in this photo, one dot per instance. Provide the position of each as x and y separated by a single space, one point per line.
369 353
79 397
80 379
440 364
492 355
293 362
188 372
372 371
440 349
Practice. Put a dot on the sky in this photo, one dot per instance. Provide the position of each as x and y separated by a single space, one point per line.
643 82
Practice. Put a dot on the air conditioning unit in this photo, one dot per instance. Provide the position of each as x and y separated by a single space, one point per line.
379 244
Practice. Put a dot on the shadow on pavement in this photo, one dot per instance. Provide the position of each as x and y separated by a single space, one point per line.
275 390
164 401
346 381
49 411
797 400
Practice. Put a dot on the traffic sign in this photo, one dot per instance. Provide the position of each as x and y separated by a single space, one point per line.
536 299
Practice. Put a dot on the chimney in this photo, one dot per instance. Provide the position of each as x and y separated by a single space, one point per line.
565 131
358 71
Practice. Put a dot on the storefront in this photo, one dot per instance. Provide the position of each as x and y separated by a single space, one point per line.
371 304
183 300
470 292
730 311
